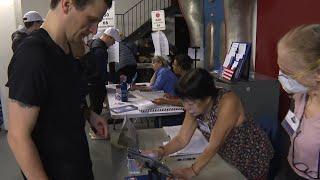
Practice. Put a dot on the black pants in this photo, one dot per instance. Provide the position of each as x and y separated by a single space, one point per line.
97 94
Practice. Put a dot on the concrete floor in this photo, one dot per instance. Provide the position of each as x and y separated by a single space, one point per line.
9 169
100 152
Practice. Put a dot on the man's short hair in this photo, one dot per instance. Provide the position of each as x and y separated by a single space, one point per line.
80 4
29 24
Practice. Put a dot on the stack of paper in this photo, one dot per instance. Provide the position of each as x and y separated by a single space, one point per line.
149 95
145 103
196 145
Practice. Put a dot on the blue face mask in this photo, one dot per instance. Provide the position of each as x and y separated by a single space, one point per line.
290 85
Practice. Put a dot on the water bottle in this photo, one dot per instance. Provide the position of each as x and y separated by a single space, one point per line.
124 91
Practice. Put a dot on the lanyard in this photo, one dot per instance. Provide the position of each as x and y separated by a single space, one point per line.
297 133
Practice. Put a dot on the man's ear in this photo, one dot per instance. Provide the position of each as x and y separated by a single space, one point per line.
66 6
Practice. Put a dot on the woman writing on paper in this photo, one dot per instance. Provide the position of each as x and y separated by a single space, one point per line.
165 79
299 75
180 66
221 118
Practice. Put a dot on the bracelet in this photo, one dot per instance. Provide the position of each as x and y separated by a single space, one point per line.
194 170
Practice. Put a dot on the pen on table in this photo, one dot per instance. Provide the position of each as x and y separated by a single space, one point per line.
186 159
293 119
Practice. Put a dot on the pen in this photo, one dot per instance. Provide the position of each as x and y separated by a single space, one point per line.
186 159
293 119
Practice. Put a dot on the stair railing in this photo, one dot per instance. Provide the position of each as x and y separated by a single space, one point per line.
138 14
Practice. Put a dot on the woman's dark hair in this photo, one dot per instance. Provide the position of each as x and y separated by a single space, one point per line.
80 4
197 84
184 61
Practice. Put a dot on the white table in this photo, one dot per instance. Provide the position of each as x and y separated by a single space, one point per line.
217 168
132 100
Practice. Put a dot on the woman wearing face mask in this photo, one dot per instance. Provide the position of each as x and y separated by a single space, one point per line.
299 63
220 116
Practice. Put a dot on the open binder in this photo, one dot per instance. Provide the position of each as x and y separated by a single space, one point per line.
146 104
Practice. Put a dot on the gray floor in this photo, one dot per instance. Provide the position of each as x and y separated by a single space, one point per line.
8 167
100 151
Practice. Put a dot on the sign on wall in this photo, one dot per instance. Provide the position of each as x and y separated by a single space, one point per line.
161 44
108 19
158 20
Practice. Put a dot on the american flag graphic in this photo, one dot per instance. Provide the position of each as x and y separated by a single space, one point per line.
227 73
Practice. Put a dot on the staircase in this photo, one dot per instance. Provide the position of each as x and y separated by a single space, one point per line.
136 21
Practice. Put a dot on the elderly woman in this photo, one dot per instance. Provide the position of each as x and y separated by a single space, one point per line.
180 66
164 78
220 116
299 75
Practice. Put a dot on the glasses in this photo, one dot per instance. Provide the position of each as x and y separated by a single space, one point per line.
302 167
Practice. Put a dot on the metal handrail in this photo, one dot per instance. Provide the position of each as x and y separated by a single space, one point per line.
126 26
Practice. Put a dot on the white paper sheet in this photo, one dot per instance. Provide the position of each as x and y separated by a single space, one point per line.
227 61
161 44
196 145
234 65
191 53
113 53
242 49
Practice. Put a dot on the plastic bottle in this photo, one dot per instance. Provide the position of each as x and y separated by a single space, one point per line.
124 91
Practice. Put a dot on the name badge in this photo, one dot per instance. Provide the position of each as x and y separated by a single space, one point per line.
204 127
290 123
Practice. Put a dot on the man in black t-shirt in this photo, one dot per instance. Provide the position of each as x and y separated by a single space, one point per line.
46 125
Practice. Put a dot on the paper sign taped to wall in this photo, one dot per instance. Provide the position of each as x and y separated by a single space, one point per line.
158 20
161 44
108 19
113 53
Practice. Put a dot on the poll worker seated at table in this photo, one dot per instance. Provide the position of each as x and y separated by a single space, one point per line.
299 75
222 119
180 66
165 79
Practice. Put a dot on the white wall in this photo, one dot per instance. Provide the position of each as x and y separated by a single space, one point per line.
8 15
41 6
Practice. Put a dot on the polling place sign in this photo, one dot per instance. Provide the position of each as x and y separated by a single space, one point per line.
158 20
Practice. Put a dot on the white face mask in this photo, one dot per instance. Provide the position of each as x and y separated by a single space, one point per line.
290 85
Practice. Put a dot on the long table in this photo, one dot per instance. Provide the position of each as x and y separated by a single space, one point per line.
217 169
132 100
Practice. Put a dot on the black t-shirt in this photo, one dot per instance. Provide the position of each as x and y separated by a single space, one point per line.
41 74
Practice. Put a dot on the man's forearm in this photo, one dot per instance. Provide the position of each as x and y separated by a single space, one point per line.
27 157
